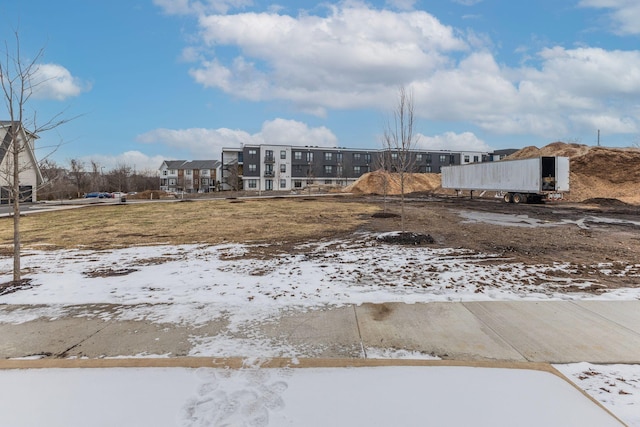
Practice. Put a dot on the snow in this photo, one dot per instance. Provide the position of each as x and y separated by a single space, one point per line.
195 284
173 283
406 396
617 387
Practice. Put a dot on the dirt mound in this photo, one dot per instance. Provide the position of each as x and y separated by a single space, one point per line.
596 172
407 238
381 182
554 149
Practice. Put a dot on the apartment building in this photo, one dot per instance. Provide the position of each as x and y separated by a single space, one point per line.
286 167
198 176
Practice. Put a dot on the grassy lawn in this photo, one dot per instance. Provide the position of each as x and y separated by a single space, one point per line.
210 221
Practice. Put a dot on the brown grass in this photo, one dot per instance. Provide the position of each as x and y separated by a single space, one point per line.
211 221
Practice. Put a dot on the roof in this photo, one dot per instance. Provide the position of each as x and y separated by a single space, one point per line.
192 165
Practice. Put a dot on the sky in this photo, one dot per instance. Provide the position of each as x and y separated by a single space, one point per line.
150 80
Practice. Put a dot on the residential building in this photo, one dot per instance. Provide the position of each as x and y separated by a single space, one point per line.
29 173
198 176
285 167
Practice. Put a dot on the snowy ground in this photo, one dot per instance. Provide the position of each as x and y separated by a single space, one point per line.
382 396
170 284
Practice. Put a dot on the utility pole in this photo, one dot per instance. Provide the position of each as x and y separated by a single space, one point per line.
598 137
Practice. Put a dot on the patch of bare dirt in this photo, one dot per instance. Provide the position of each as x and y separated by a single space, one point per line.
15 286
407 238
110 272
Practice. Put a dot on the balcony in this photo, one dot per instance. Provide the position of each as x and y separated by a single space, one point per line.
269 174
269 159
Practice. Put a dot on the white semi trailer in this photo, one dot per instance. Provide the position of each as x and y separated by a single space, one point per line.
516 181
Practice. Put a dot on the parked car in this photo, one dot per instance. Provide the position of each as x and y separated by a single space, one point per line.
119 195
97 195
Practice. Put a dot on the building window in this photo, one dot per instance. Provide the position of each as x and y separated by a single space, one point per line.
172 181
297 155
356 170
339 157
475 159
253 152
188 171
394 156
283 168
164 172
252 183
443 158
297 169
268 184
204 172
356 157
283 183
466 159
328 169
309 157
339 170
297 183
367 158
253 168
283 154
328 156
428 158
172 172
427 169
328 182
419 157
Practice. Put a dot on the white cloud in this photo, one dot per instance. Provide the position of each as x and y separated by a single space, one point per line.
465 141
53 81
355 57
208 143
625 15
136 160
342 60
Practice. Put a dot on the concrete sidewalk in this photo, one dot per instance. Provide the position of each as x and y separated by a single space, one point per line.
548 332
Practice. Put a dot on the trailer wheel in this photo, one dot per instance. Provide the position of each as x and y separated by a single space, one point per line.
507 198
517 198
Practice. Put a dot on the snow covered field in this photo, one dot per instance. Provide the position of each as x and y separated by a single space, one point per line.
172 284
382 396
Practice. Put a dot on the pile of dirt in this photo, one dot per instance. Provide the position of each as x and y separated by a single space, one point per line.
596 172
554 149
407 238
382 182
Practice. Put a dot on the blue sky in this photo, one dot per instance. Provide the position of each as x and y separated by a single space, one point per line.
179 79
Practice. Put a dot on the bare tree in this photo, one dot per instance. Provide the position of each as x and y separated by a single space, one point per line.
57 183
96 174
18 78
382 167
399 140
78 176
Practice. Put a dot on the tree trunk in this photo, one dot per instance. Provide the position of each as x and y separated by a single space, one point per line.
16 202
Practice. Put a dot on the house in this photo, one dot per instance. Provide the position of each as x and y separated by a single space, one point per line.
198 176
285 167
29 173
